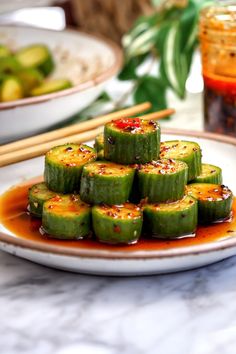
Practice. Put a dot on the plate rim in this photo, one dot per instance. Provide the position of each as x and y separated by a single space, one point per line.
92 82
131 255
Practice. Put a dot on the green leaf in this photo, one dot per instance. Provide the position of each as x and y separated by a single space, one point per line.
128 72
141 25
188 26
174 61
143 43
104 97
151 89
161 38
172 33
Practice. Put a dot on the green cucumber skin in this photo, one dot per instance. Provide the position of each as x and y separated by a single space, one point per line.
45 67
36 208
99 142
43 89
194 165
214 211
36 201
215 178
126 148
100 155
29 78
135 194
210 212
9 65
61 179
65 227
194 161
106 229
173 224
5 88
162 188
110 190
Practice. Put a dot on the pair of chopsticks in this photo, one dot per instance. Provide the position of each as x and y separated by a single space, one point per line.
78 133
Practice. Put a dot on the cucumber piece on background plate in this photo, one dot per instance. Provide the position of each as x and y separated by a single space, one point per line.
11 89
50 87
36 56
9 65
29 78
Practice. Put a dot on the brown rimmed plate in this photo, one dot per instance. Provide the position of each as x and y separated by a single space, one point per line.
146 258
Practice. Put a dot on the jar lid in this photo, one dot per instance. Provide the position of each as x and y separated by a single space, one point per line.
221 16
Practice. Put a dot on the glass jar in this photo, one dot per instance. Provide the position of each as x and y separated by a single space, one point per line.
217 32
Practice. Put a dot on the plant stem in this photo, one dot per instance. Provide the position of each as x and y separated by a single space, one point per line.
119 103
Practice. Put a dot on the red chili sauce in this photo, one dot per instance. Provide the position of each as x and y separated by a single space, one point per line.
128 123
220 104
15 217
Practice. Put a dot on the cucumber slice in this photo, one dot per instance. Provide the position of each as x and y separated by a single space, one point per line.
11 89
63 166
137 143
106 182
9 65
100 155
66 217
29 79
186 151
117 224
3 77
135 194
4 51
50 87
209 174
171 220
36 56
99 142
214 201
162 180
38 195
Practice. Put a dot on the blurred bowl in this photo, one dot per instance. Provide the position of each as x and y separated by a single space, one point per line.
88 61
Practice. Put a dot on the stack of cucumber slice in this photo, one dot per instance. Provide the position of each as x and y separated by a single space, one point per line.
136 186
24 73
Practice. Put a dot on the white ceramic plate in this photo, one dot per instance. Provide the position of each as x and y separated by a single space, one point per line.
218 150
89 62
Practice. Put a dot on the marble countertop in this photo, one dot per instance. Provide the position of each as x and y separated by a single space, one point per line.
46 311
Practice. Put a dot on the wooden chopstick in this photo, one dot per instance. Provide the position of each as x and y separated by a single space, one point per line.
40 149
73 129
159 115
